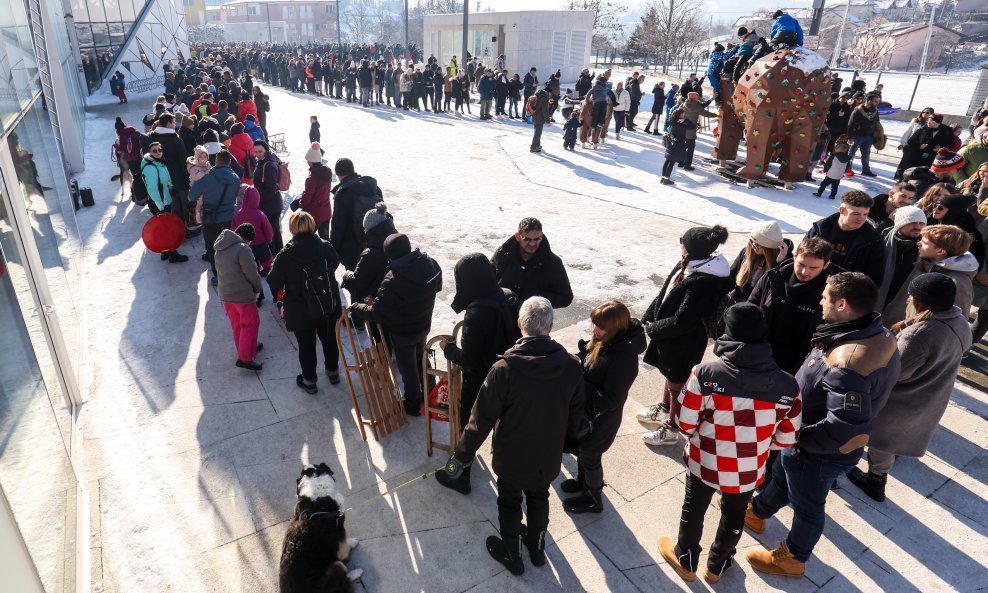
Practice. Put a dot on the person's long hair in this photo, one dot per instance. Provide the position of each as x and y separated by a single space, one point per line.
932 196
753 263
611 316
923 313
968 184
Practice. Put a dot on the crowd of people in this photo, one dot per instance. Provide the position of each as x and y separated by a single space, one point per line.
846 342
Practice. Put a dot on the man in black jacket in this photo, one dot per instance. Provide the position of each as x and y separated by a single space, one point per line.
844 382
789 295
634 89
526 265
534 396
531 84
403 305
372 265
858 246
861 131
884 206
353 197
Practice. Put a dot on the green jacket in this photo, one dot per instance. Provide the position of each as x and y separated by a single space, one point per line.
693 109
157 180
974 155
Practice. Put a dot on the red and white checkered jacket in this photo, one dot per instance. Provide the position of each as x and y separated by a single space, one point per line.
732 422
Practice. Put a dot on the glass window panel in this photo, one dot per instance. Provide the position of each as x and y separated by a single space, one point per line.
91 68
112 9
85 34
117 33
101 34
19 79
35 473
96 12
80 11
127 12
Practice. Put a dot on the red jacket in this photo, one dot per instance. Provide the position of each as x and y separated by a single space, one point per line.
240 146
315 197
734 410
247 106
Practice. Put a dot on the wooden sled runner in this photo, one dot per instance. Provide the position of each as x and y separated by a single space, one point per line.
454 375
372 365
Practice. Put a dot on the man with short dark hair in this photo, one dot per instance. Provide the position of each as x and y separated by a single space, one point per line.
884 206
844 382
861 131
531 83
353 197
534 396
526 265
858 246
218 191
789 295
544 107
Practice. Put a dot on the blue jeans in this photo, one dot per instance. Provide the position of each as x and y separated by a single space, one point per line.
804 483
864 143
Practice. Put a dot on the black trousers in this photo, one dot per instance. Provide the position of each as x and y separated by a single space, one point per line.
210 232
690 147
599 114
276 242
408 356
729 530
667 167
509 497
630 117
323 230
537 136
320 329
437 104
833 183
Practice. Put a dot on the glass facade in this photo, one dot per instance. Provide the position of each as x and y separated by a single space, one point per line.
19 78
102 26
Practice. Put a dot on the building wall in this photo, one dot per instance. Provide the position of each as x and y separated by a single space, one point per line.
304 21
546 39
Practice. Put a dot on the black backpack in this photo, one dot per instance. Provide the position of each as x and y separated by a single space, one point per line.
321 296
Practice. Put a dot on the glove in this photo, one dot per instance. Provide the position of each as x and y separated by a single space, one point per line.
454 467
167 208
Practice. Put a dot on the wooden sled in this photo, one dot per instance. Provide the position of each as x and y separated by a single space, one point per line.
372 365
728 170
454 375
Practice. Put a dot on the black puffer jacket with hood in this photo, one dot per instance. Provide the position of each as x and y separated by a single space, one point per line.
372 265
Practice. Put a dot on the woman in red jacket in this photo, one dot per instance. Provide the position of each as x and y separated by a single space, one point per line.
241 145
247 106
315 197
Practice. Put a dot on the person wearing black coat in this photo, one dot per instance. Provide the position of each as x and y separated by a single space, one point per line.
372 265
353 197
307 252
658 102
674 321
677 146
858 246
922 146
526 265
610 366
266 176
403 305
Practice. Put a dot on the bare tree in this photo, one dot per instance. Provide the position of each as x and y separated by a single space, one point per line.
358 21
645 42
680 29
416 34
606 27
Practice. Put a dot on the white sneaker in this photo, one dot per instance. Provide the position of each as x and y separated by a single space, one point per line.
652 415
660 437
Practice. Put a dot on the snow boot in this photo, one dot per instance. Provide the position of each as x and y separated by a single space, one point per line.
588 501
778 561
872 484
507 552
683 564
713 572
572 486
753 521
461 484
535 542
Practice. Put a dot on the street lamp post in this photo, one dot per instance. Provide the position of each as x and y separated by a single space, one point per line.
466 20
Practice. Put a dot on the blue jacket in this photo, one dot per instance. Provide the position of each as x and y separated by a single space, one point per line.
486 88
211 188
253 130
671 98
845 381
716 64
787 23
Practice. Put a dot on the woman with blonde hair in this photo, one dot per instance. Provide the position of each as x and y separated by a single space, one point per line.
610 366
766 249
305 260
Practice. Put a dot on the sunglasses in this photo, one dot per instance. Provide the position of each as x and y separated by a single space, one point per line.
939 206
156 151
535 240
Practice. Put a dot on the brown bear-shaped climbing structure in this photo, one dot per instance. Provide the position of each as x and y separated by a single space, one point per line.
783 100
730 128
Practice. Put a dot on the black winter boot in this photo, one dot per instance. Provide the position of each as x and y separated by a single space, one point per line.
588 501
461 484
507 552
872 484
535 542
571 485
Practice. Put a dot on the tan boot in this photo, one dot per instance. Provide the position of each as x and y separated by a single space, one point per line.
753 521
778 561
667 547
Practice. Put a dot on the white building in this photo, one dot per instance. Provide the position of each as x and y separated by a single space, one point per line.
550 40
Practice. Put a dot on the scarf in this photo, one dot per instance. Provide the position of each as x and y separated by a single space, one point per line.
828 330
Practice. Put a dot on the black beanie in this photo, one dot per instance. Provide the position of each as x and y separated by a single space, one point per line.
718 47
745 322
118 124
700 241
246 231
397 245
777 14
936 291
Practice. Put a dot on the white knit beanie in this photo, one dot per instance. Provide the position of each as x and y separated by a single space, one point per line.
768 235
907 215
313 155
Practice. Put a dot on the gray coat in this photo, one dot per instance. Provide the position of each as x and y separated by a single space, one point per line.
931 354
236 270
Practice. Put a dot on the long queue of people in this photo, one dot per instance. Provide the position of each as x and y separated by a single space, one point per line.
821 347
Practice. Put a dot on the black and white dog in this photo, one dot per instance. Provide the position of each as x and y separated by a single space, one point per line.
316 546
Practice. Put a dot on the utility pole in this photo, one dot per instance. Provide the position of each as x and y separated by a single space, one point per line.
929 36
406 25
267 5
339 30
817 17
840 37
665 44
466 21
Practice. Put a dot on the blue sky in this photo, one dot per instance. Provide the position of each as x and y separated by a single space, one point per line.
722 10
